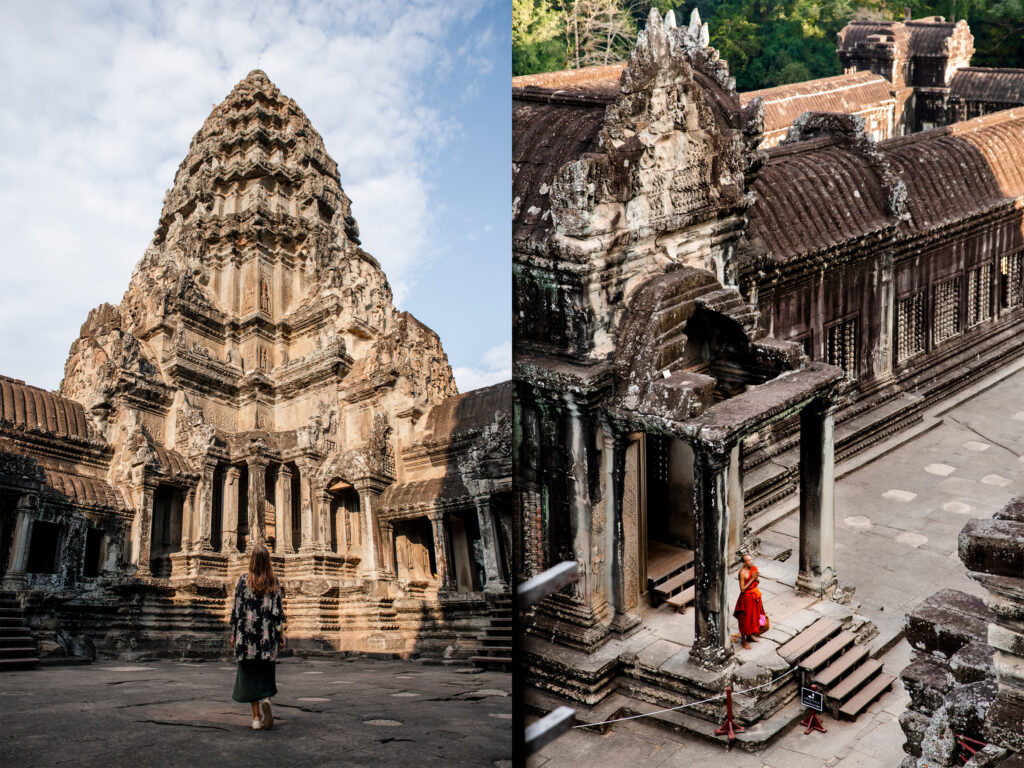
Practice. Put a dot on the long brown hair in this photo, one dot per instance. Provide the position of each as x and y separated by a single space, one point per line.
261 579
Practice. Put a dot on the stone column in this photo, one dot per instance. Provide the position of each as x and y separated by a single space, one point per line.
489 545
142 527
16 576
204 499
735 501
817 499
441 553
323 520
388 556
627 554
283 507
306 507
257 501
229 510
188 514
712 644
370 562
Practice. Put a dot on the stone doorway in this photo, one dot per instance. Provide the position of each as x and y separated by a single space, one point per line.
465 537
415 559
667 507
8 517
344 517
168 503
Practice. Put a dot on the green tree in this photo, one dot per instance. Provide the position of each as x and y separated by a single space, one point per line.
538 44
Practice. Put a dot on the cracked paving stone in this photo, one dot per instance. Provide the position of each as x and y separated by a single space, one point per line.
912 539
896 494
942 470
995 480
957 507
974 445
857 521
383 722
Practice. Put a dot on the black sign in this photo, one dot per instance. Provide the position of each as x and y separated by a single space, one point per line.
812 699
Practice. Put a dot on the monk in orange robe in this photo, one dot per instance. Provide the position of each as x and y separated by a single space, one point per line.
749 608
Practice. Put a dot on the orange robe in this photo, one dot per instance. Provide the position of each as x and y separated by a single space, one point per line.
749 608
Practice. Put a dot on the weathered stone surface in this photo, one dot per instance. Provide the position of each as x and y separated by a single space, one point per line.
927 680
972 663
947 621
993 546
914 725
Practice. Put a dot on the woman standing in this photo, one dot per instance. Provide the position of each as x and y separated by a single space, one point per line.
749 608
257 620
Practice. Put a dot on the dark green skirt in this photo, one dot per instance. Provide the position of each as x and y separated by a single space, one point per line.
254 680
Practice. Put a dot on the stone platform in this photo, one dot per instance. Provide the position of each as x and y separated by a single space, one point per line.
358 712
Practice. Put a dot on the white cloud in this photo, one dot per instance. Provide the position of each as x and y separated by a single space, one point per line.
99 101
495 366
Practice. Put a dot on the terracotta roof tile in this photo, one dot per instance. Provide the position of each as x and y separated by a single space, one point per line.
36 408
1001 86
850 94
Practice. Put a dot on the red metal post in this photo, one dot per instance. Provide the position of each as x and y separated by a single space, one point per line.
812 722
729 727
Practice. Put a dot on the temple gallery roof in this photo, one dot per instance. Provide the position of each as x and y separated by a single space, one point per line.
998 86
35 408
556 117
849 94
468 412
546 136
81 489
819 193
932 36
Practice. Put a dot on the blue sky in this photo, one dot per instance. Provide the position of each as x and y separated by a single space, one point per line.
99 101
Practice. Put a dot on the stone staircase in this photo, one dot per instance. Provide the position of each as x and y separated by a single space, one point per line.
494 645
828 656
670 575
17 646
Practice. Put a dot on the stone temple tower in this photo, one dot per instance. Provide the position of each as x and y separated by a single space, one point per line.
257 384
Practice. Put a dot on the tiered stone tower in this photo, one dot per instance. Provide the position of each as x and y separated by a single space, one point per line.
257 383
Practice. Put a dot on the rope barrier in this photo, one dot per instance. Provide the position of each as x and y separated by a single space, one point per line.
691 704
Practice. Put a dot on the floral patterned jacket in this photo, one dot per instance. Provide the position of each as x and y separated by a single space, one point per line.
257 622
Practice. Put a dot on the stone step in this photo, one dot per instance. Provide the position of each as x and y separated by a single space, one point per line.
26 662
841 667
811 638
827 653
852 683
683 599
497 642
503 661
17 651
14 640
881 683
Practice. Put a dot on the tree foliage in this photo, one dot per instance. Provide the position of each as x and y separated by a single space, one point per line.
766 42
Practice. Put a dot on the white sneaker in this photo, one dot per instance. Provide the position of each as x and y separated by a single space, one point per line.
268 716
256 724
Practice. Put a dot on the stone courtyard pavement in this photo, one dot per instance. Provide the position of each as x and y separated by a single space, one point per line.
356 711
897 522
